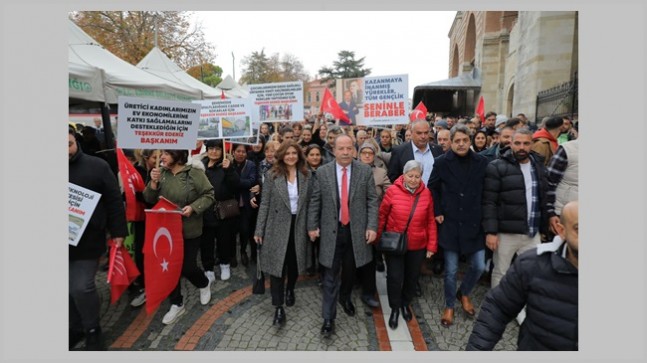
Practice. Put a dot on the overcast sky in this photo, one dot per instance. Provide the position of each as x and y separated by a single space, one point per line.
394 42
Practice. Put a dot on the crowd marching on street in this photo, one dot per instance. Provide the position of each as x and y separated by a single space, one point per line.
323 199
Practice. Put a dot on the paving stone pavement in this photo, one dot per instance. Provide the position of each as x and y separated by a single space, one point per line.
243 321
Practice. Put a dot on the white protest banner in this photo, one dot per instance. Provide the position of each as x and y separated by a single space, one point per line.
277 101
252 140
81 205
225 118
154 124
380 100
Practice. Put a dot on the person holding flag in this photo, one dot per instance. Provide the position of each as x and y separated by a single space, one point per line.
132 176
190 189
109 215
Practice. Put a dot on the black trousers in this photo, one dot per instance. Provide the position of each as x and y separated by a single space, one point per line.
253 216
245 230
224 233
84 303
190 270
333 286
140 234
401 276
290 269
366 275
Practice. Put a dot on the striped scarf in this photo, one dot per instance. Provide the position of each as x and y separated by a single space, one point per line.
533 218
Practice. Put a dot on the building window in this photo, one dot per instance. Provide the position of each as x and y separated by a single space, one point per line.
317 96
309 97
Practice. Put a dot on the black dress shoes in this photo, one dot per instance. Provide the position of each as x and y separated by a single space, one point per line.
406 313
279 316
327 328
94 340
393 319
289 298
348 307
243 259
75 337
370 301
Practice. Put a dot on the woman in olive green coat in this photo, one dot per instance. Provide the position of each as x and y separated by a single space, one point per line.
191 191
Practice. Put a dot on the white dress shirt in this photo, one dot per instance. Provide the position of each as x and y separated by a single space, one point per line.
424 158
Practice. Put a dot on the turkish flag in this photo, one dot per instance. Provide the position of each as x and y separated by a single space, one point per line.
418 113
329 105
480 110
122 271
165 204
163 252
222 95
133 183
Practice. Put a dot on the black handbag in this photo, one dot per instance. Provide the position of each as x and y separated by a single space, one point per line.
395 243
225 209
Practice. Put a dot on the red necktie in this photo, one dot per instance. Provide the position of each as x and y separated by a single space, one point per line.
345 215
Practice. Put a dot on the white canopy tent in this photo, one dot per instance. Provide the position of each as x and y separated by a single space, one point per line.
85 56
157 63
232 88
86 82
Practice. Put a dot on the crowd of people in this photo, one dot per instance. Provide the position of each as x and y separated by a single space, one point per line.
315 198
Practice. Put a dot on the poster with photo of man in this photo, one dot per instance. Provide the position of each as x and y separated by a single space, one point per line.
374 101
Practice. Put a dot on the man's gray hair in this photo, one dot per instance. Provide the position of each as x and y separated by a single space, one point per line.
418 122
334 143
411 165
458 128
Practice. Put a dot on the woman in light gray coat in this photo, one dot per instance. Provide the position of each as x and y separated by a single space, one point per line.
281 225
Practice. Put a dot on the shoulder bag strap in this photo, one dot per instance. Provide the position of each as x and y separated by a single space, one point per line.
413 209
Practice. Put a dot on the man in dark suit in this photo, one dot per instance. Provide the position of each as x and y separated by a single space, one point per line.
456 184
422 150
419 148
343 213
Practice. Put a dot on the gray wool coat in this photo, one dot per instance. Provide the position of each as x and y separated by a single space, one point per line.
323 211
273 223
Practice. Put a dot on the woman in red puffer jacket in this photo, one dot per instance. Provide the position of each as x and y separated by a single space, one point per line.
402 270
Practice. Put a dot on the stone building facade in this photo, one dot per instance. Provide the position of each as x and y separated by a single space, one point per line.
515 55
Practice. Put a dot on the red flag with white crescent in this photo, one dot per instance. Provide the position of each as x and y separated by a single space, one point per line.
480 110
418 113
122 271
163 254
330 105
133 183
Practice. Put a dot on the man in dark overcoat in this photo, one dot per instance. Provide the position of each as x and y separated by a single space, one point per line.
456 184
